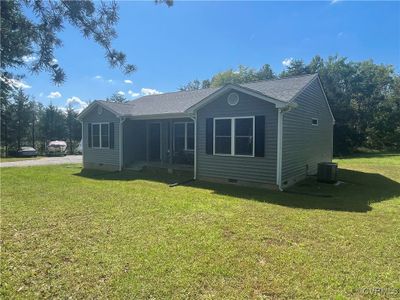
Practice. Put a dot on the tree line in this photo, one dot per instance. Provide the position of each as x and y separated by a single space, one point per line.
364 97
25 122
30 34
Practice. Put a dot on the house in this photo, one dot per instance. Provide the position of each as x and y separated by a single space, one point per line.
267 133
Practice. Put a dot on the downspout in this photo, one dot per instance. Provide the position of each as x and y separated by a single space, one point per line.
194 118
83 143
281 110
121 145
279 150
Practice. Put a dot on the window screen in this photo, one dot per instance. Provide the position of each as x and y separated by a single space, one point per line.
96 135
104 136
244 136
223 135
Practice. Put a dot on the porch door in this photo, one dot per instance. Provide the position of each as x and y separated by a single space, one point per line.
155 141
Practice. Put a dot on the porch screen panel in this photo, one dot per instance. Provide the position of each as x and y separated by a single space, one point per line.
179 137
190 136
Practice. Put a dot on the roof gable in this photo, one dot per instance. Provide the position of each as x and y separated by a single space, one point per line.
233 87
118 109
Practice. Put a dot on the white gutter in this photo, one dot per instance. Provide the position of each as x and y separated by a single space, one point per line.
121 145
159 116
279 150
194 118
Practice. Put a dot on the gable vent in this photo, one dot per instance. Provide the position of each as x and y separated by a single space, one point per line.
233 99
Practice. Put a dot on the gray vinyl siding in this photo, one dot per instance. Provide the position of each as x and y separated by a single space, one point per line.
93 157
250 169
305 145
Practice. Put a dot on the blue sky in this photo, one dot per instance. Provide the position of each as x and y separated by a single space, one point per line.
190 40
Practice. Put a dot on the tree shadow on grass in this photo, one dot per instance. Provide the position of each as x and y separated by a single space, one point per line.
356 192
369 155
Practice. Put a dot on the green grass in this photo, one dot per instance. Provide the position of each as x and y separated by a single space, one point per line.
10 159
67 233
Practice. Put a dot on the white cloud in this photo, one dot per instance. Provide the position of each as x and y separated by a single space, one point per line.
53 95
128 81
63 109
77 103
121 93
147 91
287 61
15 83
102 79
20 84
41 94
28 58
133 94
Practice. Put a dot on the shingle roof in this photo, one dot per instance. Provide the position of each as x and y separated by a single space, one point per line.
281 89
178 102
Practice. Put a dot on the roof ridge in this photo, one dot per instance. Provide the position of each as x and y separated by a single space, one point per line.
281 78
130 102
167 93
241 84
113 102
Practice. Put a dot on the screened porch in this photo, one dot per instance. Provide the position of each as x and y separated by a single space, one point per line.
164 143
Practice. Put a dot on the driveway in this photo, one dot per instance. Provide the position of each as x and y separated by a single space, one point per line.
70 159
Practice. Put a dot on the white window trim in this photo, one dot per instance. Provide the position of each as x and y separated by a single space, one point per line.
185 137
312 121
100 144
233 136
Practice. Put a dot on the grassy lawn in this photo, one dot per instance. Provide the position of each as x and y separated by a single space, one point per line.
67 233
9 159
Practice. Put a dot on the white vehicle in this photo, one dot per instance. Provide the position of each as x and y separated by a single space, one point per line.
57 148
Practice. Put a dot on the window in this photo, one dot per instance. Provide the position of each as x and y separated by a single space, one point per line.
244 136
314 121
104 135
223 136
101 135
96 135
234 136
183 136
